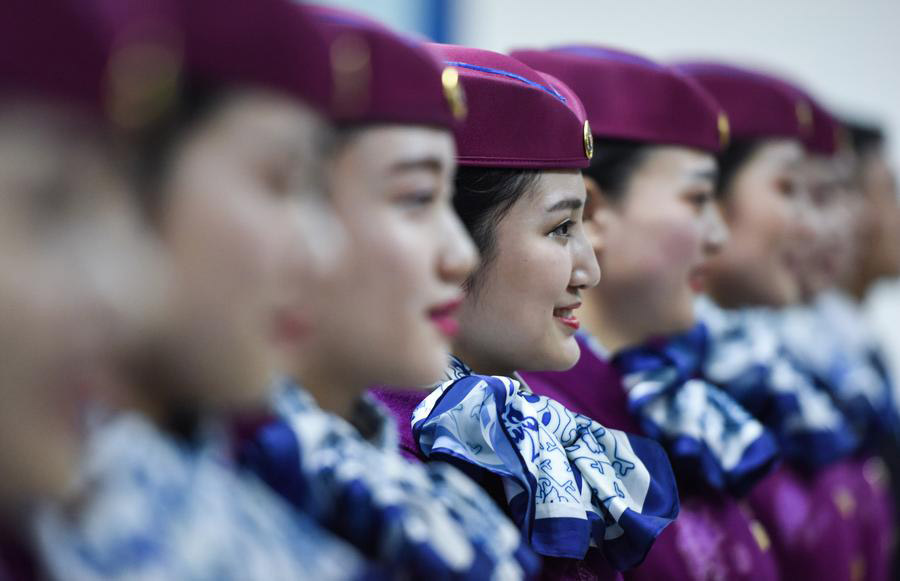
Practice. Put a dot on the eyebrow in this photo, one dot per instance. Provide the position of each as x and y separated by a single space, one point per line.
567 204
706 174
429 163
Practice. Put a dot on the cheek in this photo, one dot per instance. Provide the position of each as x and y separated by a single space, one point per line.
385 285
230 243
514 305
766 227
654 248
533 271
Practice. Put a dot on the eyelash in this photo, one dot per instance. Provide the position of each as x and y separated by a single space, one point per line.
567 226
700 200
417 200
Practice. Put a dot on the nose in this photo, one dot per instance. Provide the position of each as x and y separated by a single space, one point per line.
459 257
585 268
715 234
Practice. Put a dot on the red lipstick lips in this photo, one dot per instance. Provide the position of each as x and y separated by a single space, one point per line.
444 319
566 316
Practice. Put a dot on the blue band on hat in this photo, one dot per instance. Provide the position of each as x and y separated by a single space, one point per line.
510 75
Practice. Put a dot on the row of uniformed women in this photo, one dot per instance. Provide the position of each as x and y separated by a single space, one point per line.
229 221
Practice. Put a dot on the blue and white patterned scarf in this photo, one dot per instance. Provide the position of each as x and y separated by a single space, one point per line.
569 482
747 359
829 341
416 521
151 508
710 438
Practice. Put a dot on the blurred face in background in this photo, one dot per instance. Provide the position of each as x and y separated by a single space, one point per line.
763 207
655 238
243 218
833 212
879 223
75 270
385 315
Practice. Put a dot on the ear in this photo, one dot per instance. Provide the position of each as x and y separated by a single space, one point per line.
597 211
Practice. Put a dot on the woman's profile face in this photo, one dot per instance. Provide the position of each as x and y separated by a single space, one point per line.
521 312
764 211
245 218
75 269
387 312
832 211
657 237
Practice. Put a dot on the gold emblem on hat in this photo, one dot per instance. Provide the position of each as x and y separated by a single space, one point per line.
588 140
142 82
453 91
351 68
804 116
724 130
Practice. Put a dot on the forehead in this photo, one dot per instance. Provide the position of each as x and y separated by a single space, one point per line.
677 162
398 148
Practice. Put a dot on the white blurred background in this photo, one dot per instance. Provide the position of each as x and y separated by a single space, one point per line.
846 52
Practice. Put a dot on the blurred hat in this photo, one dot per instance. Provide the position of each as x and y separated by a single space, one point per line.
759 105
631 97
53 49
383 76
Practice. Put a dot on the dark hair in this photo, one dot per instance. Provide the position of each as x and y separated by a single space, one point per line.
731 160
613 164
156 141
483 197
865 139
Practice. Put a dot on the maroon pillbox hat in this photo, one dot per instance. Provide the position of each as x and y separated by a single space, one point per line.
53 49
267 43
382 76
630 97
158 44
517 117
758 105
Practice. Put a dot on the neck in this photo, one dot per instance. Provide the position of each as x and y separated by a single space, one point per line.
481 362
620 320
334 392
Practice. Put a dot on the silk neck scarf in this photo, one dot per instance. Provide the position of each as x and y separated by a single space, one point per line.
747 359
415 521
827 340
710 438
152 508
569 482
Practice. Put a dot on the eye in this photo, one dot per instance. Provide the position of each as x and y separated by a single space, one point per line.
564 230
417 200
277 180
700 199
787 187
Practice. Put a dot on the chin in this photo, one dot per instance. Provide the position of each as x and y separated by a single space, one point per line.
561 357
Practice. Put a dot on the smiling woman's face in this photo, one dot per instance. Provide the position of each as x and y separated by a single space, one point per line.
520 312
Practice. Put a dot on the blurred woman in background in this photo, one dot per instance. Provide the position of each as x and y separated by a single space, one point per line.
384 313
829 341
766 200
73 262
224 117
